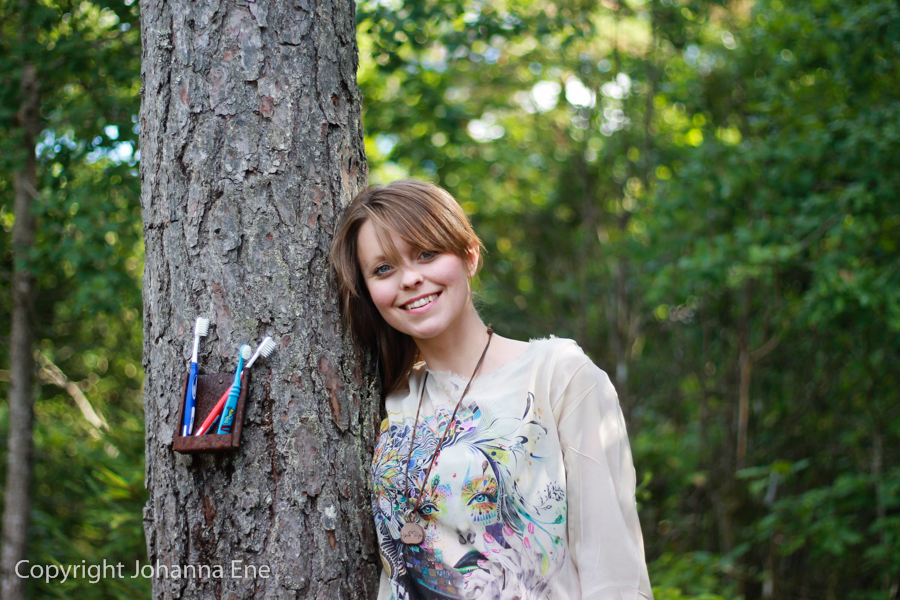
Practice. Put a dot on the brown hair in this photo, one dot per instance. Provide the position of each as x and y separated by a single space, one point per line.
426 217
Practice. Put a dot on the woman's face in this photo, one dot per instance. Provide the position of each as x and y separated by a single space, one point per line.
423 295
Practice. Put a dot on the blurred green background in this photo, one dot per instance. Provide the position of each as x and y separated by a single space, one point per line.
704 194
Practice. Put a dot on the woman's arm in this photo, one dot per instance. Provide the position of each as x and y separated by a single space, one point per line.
604 532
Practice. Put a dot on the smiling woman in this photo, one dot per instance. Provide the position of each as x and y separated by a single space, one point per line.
389 241
513 482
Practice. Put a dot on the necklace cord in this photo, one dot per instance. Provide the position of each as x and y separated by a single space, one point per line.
437 450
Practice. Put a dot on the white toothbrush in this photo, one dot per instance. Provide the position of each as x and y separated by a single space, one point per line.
266 348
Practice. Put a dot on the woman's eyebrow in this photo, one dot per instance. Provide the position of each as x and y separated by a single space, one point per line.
377 257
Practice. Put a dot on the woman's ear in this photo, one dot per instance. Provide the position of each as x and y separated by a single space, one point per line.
474 254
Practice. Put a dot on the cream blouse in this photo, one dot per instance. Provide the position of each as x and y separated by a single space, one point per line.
532 495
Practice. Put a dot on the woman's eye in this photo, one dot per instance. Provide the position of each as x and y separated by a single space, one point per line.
382 270
427 255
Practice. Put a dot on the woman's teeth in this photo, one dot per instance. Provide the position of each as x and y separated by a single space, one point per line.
421 302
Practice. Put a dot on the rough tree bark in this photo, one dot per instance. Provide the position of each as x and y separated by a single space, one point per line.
251 143
21 360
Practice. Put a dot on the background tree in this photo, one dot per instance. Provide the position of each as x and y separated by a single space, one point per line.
18 475
250 144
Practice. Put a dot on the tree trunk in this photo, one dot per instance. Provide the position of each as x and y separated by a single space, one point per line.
745 363
21 360
251 144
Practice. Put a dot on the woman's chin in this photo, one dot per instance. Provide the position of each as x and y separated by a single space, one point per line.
425 331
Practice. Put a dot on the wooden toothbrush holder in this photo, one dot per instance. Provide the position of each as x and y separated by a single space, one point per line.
210 388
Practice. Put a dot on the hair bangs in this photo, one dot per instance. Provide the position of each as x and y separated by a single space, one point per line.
417 226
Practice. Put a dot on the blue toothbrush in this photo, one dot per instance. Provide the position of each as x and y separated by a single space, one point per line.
201 328
231 404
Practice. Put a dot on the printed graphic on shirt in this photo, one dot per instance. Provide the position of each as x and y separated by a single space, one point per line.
494 520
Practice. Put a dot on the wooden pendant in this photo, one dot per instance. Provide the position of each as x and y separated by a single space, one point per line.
412 534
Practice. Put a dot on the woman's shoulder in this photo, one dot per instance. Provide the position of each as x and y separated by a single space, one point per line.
563 364
560 352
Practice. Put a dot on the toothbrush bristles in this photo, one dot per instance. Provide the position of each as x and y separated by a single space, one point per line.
202 326
267 347
246 352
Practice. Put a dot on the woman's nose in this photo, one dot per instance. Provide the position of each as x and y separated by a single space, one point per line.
411 278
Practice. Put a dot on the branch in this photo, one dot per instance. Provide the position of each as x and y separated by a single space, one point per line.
809 239
760 352
634 329
50 373
31 191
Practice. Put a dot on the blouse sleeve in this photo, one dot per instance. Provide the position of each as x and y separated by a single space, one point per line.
384 587
603 528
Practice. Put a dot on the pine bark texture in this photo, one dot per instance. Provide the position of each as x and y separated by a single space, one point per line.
251 144
21 360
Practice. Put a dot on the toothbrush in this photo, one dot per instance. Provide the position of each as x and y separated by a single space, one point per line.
201 328
231 404
266 348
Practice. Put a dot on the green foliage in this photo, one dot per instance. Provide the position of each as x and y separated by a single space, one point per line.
686 187
88 483
89 498
788 234
690 576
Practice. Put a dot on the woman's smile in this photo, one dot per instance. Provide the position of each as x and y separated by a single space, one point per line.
423 302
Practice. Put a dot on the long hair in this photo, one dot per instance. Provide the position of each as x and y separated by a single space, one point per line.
426 217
